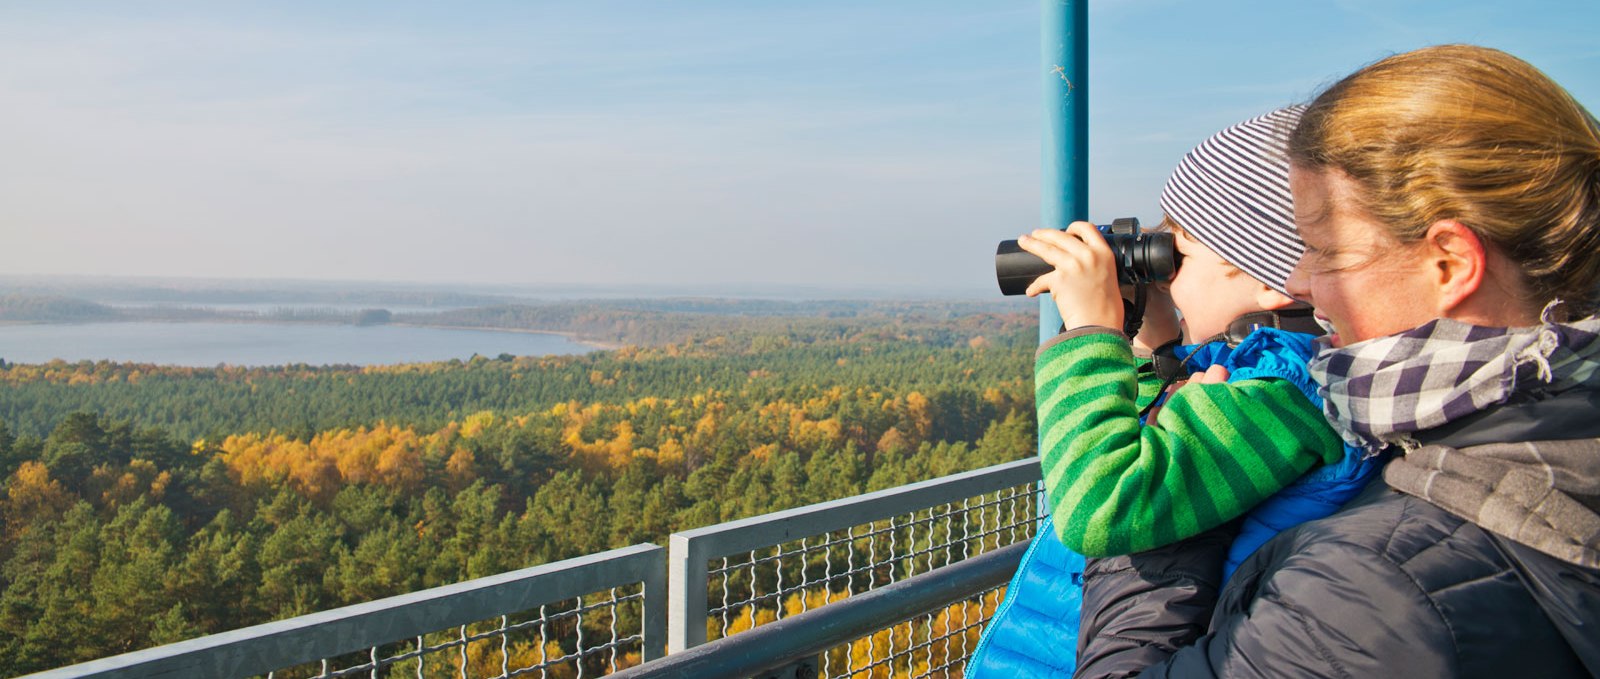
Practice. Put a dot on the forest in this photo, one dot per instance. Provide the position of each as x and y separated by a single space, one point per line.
147 504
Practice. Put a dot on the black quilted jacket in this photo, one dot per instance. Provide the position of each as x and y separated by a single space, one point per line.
1390 586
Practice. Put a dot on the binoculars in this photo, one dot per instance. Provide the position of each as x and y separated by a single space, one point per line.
1142 257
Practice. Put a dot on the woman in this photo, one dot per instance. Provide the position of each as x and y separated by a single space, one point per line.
1450 203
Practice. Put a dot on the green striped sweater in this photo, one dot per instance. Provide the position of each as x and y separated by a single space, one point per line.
1213 452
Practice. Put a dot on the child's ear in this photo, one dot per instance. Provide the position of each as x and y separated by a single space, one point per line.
1272 300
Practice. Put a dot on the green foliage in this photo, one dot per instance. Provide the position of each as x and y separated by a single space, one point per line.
763 358
120 532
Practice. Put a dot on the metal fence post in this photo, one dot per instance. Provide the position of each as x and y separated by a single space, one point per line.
686 598
654 623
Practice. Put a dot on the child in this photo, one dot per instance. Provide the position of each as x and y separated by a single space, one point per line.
1215 451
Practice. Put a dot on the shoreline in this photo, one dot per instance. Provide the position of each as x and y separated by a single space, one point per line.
571 336
596 345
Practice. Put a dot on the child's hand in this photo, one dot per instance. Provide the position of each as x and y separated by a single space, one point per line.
1084 284
1214 375
1160 317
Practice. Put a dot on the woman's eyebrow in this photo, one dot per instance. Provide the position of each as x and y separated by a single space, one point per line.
1313 216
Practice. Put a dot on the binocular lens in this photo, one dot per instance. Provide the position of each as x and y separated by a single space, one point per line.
1016 269
1141 258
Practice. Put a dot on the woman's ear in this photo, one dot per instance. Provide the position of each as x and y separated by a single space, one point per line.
1457 261
1272 300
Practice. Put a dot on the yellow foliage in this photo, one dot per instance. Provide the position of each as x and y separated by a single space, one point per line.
601 453
951 633
948 634
486 658
116 487
705 428
400 465
384 454
764 451
647 403
670 454
801 602
461 468
813 435
619 450
891 440
476 423
30 493
920 412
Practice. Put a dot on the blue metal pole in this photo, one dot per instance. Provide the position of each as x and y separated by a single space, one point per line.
1064 197
1064 42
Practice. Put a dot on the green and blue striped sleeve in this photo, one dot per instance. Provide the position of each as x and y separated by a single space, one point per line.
1214 451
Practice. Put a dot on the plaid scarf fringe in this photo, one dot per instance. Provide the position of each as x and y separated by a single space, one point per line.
1378 392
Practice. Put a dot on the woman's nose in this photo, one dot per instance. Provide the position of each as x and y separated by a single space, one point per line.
1299 283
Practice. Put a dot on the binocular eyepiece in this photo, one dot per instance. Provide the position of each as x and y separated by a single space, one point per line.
1142 257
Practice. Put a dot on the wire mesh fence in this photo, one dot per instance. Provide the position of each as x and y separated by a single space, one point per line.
937 644
582 617
768 583
819 555
584 636
603 613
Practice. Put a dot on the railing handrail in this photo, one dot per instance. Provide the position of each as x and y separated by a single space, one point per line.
778 527
674 587
802 635
690 550
284 643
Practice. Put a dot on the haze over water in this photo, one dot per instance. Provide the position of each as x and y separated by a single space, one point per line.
255 344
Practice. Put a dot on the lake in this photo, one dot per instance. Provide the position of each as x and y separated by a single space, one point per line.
207 344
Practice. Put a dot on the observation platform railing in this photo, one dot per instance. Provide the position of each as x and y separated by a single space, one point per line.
735 576
895 583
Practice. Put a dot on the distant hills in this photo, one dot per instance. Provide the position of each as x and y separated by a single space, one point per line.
53 309
645 321
118 290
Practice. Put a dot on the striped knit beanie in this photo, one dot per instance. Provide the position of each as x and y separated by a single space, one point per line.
1231 193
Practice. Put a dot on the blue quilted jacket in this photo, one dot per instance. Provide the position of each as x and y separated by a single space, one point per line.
1034 632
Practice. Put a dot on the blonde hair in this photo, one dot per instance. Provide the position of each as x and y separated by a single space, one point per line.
1475 135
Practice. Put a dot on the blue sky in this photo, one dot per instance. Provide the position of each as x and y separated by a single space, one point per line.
741 145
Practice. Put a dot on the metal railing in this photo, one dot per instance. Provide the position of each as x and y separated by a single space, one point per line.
737 576
896 583
581 617
797 641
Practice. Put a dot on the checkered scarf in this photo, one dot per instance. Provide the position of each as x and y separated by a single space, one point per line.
1543 494
1379 392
